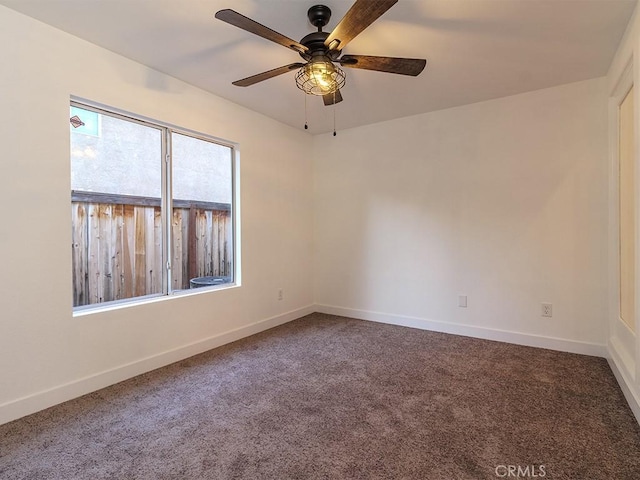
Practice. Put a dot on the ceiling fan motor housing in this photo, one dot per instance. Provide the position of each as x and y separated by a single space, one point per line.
315 44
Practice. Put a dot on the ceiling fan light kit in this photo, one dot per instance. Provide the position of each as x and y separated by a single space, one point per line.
320 77
321 74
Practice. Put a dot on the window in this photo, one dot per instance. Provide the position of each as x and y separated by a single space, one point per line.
151 206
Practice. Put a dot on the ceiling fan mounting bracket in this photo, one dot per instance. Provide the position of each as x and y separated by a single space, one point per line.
319 16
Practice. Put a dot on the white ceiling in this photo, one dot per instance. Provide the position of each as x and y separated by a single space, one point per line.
476 49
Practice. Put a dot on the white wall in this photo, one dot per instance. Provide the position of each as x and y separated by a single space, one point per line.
504 201
46 354
623 344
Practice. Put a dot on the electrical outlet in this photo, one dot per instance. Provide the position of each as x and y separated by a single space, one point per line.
547 310
280 294
462 301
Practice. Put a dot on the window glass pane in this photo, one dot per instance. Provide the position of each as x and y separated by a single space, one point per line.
201 170
122 157
202 227
116 181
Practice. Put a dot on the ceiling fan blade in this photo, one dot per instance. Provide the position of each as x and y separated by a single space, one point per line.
245 82
402 66
361 14
245 23
330 98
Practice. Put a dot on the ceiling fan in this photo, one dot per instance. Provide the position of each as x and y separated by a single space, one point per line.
320 75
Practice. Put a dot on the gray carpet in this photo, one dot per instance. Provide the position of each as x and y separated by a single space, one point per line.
327 397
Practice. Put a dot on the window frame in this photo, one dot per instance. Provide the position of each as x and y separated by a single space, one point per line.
166 202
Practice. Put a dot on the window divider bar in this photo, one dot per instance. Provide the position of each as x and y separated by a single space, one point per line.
167 209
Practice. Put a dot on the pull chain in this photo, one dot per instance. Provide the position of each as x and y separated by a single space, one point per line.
334 114
306 125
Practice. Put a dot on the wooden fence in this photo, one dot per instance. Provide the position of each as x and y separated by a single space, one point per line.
117 245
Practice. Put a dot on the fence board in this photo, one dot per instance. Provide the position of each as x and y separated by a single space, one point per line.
79 255
176 252
215 254
157 251
201 225
219 233
116 241
93 227
128 250
192 257
78 196
185 248
106 226
140 267
208 242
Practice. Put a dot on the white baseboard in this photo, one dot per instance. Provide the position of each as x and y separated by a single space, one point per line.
625 382
21 407
551 343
